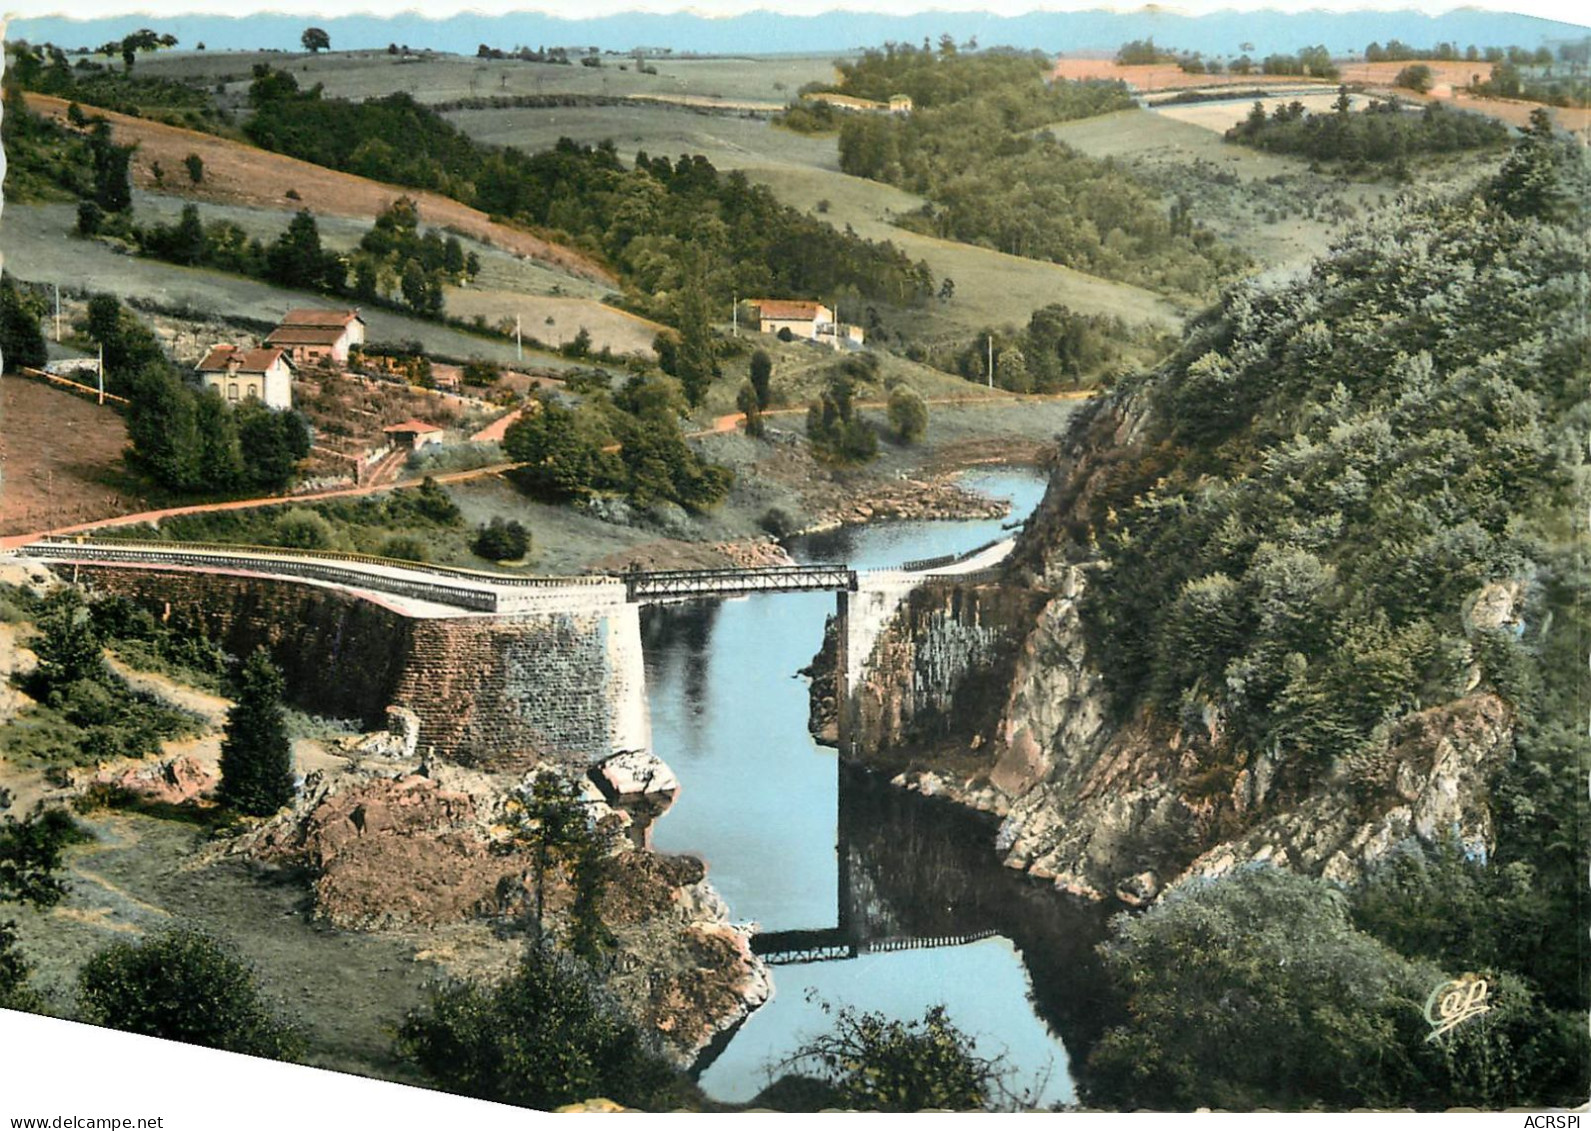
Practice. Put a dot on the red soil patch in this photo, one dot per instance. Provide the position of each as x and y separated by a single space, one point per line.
1149 77
235 173
60 458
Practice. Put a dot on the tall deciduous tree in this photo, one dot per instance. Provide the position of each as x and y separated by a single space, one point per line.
762 377
257 755
695 363
315 40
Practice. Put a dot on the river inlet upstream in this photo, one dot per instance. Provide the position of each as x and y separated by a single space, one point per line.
761 803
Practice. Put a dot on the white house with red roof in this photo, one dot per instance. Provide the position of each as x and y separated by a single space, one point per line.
248 374
810 320
313 336
802 319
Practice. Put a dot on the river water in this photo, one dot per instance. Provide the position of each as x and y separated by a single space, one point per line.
772 813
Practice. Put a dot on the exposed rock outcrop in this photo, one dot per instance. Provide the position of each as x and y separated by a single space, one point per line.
173 781
1123 809
431 849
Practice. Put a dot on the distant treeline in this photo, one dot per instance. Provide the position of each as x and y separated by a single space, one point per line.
1382 133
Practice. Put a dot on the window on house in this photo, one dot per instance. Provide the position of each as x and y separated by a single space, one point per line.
253 391
232 391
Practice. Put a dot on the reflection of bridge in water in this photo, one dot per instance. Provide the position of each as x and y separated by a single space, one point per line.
865 923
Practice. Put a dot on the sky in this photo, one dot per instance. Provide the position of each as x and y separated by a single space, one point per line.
747 26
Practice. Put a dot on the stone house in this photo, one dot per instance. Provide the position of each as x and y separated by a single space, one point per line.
318 337
248 374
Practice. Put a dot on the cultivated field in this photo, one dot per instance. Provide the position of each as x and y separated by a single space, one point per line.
554 321
1222 116
729 141
1450 78
60 458
802 170
764 81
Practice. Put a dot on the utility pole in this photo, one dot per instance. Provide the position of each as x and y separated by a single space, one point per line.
734 314
991 361
57 313
102 373
519 343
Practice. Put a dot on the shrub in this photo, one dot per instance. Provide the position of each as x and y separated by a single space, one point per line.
908 414
877 1064
546 1036
500 541
183 985
303 529
778 522
195 166
405 547
1416 77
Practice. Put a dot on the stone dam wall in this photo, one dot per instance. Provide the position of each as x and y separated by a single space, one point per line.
563 684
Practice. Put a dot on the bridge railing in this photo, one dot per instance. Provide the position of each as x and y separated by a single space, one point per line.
287 552
918 565
707 582
476 600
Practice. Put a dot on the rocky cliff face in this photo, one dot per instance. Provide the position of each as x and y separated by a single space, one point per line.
1123 808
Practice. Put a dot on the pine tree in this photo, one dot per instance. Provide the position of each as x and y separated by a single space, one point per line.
257 755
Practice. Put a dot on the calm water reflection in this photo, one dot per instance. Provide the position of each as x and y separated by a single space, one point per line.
761 803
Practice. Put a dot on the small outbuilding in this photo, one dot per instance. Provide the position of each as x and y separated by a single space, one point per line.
413 434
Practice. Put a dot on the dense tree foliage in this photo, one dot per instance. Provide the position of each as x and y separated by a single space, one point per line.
190 440
548 1035
1256 991
631 444
1332 471
642 220
1382 133
21 339
257 754
183 985
836 429
970 147
1058 349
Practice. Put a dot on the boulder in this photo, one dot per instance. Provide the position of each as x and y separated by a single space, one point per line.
634 773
